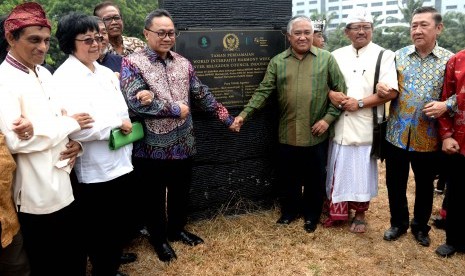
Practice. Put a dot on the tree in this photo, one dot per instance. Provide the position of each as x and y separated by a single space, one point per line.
337 38
392 38
397 37
7 6
453 35
323 16
408 8
133 11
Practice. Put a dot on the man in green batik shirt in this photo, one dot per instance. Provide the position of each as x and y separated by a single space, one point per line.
302 77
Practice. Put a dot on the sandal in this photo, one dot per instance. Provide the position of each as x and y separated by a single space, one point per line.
358 226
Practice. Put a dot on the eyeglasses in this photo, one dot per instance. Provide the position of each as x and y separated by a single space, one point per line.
359 28
90 41
163 34
109 19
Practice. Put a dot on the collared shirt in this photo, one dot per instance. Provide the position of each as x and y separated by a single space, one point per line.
453 125
97 93
358 68
420 82
111 61
40 187
130 45
8 218
302 88
173 81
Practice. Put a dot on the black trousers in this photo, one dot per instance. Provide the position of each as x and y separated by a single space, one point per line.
53 243
104 215
297 167
165 195
455 206
425 167
442 173
13 258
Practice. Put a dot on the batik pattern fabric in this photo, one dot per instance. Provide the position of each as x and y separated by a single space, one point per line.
130 45
420 82
173 82
8 218
340 211
26 15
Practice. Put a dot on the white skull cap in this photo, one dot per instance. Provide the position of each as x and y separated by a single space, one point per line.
318 25
359 14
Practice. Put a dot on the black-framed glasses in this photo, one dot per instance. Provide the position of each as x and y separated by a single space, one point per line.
90 40
109 19
163 34
359 28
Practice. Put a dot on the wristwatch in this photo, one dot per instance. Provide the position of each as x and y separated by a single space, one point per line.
360 103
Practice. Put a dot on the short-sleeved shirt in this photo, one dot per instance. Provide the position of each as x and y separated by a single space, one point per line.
420 82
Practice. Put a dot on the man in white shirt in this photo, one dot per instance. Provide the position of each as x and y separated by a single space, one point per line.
42 188
352 173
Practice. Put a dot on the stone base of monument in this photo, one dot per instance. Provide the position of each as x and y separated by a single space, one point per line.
233 172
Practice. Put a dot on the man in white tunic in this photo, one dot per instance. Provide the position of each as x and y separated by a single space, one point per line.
42 190
352 173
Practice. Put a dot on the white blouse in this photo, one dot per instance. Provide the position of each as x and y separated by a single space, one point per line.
97 93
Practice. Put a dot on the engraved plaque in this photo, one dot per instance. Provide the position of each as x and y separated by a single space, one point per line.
232 63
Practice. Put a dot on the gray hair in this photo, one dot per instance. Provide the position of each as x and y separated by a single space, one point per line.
298 18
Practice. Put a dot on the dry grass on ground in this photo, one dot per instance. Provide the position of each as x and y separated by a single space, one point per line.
252 244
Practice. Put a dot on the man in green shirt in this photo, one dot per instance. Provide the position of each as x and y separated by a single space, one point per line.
300 78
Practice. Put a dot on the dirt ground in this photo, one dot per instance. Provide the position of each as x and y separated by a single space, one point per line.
253 244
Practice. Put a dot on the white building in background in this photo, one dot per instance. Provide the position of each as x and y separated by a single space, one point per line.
387 10
451 5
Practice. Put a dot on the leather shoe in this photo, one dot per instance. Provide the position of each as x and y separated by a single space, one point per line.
446 250
127 258
286 219
393 233
187 238
165 252
309 226
422 238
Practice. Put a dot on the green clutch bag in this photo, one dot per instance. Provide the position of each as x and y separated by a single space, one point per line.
118 139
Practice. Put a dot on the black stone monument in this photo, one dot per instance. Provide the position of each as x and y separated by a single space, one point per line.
230 44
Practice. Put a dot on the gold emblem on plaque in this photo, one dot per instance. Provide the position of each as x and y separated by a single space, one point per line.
231 42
